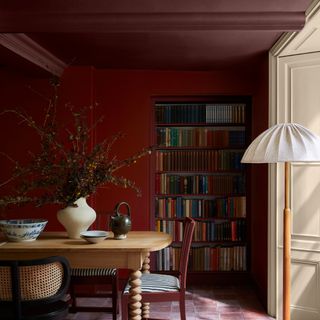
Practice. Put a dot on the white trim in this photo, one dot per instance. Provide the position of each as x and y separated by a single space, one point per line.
25 47
282 43
272 196
287 37
272 241
273 172
273 82
280 75
313 9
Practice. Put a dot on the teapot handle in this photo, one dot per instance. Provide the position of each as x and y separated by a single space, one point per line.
117 207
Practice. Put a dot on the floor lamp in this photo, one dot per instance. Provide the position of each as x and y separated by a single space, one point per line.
285 142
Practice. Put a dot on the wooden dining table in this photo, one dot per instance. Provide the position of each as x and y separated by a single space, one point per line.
130 253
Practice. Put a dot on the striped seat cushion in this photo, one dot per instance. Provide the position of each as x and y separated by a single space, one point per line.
79 272
153 282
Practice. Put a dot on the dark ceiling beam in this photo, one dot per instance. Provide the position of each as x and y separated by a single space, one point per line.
71 22
28 49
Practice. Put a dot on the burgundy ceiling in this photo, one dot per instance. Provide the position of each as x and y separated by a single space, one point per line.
149 34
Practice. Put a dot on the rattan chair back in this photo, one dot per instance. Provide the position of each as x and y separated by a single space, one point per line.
26 283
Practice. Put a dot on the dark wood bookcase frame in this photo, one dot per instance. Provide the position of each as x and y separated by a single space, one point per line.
213 277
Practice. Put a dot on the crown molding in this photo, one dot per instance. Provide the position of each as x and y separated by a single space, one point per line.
313 9
72 22
282 43
286 39
25 47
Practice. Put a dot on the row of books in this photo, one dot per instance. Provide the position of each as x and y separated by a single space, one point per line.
234 230
205 259
200 112
199 160
200 184
179 207
200 137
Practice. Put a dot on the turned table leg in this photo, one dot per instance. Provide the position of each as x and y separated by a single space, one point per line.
135 296
146 305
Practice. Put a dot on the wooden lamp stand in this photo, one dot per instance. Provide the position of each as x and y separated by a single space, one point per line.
286 244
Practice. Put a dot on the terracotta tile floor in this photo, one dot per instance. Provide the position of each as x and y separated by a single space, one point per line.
215 303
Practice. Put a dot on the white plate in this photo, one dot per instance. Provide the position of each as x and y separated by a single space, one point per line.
94 233
94 236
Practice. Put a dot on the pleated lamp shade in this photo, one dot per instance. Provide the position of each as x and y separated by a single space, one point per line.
284 142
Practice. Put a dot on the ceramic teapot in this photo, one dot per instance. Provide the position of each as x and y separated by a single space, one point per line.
120 224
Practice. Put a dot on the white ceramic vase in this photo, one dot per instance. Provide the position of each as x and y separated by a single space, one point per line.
77 219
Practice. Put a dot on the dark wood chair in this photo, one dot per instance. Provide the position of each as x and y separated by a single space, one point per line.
161 287
84 283
92 277
34 289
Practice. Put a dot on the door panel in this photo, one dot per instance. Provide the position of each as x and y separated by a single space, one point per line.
306 201
299 101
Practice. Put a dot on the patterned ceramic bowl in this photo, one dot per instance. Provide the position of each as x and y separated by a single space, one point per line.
22 229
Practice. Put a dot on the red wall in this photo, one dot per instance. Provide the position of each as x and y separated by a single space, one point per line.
125 99
17 140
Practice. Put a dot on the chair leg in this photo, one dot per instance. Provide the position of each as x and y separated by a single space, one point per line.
124 306
115 307
182 305
73 307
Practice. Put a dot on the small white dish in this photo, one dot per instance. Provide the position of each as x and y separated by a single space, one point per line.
94 236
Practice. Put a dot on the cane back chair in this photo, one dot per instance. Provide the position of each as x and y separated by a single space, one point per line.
34 289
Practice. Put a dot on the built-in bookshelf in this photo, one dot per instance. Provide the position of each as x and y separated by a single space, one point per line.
198 173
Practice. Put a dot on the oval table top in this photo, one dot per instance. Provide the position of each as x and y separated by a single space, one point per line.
126 253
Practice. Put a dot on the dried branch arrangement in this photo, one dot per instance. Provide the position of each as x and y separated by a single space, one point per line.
66 167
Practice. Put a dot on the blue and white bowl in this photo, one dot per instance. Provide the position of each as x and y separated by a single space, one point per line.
22 229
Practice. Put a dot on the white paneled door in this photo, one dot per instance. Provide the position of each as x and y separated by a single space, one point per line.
298 93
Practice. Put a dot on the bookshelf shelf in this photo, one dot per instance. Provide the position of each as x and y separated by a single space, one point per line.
184 195
204 219
216 243
240 125
191 172
198 173
197 148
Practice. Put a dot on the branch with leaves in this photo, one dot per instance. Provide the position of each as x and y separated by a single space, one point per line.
66 167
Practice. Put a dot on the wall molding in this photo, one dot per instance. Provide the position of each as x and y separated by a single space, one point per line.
291 43
313 9
282 43
132 22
